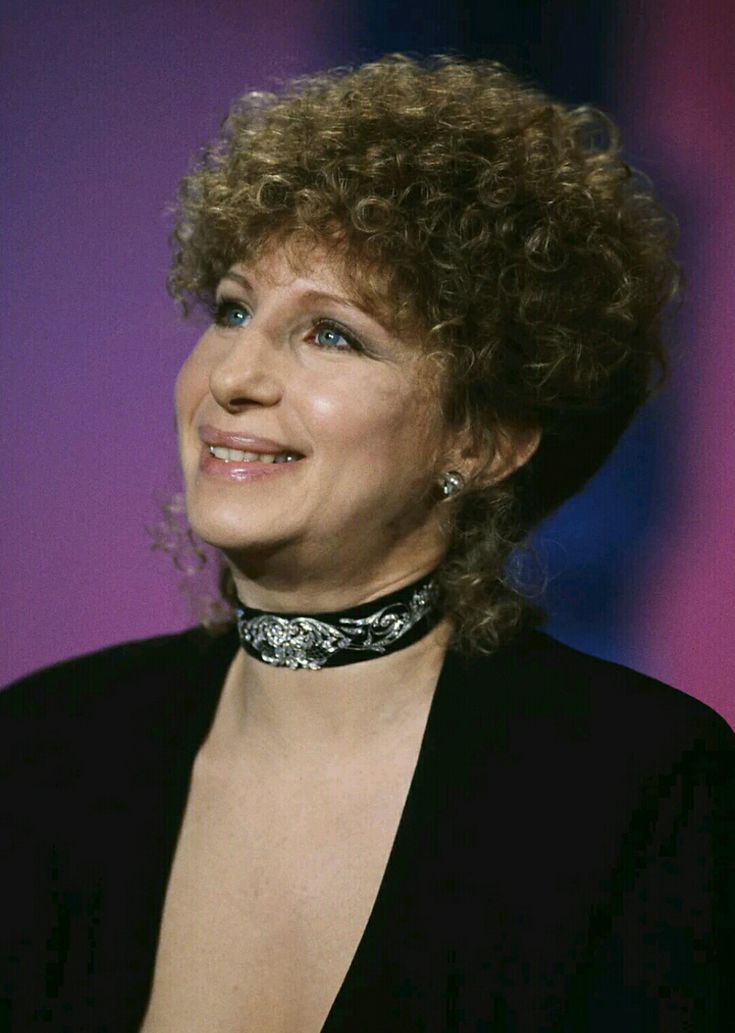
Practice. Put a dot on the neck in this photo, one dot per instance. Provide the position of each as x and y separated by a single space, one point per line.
311 580
343 637
295 716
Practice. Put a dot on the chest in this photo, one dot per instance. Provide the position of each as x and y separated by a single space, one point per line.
271 888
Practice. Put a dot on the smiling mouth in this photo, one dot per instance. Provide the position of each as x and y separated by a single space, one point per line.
237 455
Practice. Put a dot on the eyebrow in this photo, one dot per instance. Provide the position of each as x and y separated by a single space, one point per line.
238 279
314 295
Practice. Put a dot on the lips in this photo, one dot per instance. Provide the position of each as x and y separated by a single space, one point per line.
231 446
237 455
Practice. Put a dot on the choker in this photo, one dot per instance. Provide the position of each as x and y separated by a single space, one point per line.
316 640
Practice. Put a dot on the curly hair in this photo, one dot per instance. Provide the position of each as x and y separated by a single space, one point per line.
502 226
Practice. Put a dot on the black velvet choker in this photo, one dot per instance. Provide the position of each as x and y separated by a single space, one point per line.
315 640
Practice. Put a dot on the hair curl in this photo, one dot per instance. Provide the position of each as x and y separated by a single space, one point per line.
500 224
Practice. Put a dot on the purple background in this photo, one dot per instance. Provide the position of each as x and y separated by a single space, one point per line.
104 105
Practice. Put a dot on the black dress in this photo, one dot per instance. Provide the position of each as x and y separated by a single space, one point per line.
564 861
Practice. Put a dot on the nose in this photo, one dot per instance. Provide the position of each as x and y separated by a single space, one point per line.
247 372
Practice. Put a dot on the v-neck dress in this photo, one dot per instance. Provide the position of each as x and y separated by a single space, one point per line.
564 862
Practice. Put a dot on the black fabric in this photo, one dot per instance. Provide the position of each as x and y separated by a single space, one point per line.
306 642
564 861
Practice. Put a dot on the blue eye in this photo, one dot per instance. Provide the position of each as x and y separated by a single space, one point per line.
230 314
332 337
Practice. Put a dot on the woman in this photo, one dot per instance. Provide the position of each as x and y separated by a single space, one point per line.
381 800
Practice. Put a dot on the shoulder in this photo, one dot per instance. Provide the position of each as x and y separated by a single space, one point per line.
615 688
82 683
545 690
73 715
586 752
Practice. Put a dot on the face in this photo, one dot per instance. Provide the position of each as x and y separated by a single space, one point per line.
309 435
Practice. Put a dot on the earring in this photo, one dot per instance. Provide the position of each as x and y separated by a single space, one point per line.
450 483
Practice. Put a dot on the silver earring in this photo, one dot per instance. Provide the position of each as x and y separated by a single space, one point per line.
451 482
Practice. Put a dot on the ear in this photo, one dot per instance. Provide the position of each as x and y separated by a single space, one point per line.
491 462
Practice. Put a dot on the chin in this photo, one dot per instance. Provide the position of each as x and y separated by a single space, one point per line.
236 539
228 528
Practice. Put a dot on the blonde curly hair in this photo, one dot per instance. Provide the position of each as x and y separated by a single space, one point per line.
502 226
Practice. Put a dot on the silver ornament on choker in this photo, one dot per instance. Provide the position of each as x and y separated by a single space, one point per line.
313 641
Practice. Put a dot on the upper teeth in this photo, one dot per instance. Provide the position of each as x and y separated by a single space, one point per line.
236 455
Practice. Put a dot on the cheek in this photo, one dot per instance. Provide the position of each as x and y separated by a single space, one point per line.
353 414
381 427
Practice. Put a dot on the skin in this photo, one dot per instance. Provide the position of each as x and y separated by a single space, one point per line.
298 790
357 517
354 518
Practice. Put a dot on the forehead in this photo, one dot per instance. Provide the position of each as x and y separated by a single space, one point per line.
312 272
337 269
